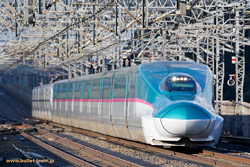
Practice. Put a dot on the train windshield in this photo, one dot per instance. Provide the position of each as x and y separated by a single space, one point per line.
179 83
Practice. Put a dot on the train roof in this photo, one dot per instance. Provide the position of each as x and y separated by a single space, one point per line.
100 75
45 85
154 72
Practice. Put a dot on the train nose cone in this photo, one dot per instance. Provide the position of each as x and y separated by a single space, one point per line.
186 120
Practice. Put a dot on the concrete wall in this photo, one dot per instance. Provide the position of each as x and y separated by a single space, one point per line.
232 119
246 120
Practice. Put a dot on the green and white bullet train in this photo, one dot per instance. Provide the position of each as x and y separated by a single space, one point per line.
167 103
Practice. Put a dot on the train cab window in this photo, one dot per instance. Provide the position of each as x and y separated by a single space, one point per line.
179 83
77 93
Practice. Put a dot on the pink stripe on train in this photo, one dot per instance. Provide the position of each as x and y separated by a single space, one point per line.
104 100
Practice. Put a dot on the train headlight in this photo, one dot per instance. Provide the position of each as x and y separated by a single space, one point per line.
181 79
185 79
174 79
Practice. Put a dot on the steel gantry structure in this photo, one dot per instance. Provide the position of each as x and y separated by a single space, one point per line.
100 34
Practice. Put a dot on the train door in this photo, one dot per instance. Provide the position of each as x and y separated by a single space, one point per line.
54 103
63 114
106 105
34 102
51 88
94 104
132 120
84 115
118 106
58 105
43 102
48 101
39 102
100 108
71 103
77 105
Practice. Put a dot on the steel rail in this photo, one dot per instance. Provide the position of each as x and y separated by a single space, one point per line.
236 139
227 157
85 148
147 147
62 154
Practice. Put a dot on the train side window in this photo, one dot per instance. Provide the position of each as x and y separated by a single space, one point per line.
41 98
42 94
70 90
37 94
132 84
37 98
34 96
85 90
95 89
47 93
106 88
58 91
77 92
82 84
120 86
54 91
64 91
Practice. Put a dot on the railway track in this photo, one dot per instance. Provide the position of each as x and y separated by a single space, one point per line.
101 159
235 139
73 152
204 156
58 152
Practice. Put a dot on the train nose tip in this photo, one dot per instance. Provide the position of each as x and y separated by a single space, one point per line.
186 120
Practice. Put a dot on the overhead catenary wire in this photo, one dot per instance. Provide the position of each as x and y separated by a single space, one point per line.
83 20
